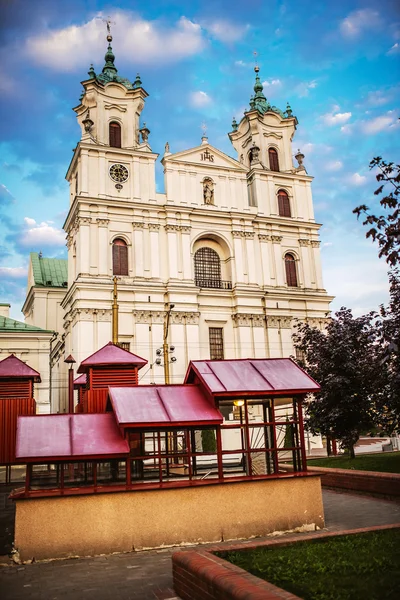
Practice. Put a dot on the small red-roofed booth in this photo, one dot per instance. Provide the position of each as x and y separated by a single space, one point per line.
80 384
170 464
109 366
17 381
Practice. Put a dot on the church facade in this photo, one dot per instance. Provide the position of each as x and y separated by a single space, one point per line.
230 251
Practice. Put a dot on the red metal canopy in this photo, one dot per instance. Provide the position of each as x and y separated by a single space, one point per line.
79 436
255 377
14 368
111 354
160 406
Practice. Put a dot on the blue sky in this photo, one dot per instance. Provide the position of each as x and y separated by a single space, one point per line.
336 63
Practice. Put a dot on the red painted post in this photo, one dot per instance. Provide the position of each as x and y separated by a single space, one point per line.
302 439
219 454
275 448
248 443
28 478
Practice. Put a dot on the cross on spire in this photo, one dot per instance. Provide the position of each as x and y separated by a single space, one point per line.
204 138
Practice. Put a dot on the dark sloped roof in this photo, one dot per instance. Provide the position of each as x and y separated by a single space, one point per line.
49 272
111 354
12 367
260 377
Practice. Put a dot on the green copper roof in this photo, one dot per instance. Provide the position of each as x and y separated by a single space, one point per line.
49 272
259 101
110 71
11 325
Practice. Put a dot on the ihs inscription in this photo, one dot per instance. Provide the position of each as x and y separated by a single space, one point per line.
207 156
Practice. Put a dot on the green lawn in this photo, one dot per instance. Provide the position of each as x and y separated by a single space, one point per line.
363 566
384 462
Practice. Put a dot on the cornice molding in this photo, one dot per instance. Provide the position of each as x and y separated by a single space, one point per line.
279 322
247 319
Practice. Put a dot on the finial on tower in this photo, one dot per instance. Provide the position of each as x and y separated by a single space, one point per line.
108 22
204 138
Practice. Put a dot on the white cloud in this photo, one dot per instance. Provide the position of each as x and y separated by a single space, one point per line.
226 31
334 165
303 88
346 129
336 118
395 49
272 83
199 99
356 179
358 22
136 39
378 98
14 272
327 244
380 123
41 234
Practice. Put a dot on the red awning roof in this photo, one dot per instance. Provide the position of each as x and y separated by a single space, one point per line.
12 368
111 355
79 381
161 406
79 436
258 377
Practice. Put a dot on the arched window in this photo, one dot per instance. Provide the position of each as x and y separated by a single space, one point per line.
290 267
273 159
115 134
207 268
120 257
283 204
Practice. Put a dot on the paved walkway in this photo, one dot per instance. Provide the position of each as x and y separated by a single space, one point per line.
147 575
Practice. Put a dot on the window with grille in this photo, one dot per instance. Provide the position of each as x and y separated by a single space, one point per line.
300 355
124 345
283 204
290 267
273 159
207 268
120 257
216 343
115 135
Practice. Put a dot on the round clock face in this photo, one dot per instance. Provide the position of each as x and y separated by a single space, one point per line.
119 173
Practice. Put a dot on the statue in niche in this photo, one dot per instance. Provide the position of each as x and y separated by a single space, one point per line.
208 191
254 153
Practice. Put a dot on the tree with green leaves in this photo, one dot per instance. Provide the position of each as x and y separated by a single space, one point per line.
345 360
385 228
388 396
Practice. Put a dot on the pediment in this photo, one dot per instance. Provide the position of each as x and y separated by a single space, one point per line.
204 155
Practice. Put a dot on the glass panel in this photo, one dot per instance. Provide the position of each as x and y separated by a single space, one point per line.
112 472
45 477
78 474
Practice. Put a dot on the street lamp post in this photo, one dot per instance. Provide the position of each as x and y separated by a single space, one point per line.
70 361
169 308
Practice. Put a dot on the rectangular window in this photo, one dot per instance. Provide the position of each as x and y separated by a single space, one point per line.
216 343
124 345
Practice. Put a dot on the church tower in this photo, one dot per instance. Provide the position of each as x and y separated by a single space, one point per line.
112 167
228 255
